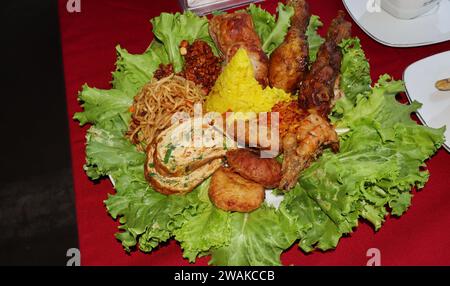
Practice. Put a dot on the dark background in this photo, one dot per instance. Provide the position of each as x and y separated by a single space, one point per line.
37 214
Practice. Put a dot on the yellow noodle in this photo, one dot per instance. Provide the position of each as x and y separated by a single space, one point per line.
155 104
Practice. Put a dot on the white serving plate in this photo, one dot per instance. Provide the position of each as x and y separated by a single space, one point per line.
430 28
420 79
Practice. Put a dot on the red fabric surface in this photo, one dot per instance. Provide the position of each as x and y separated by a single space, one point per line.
419 237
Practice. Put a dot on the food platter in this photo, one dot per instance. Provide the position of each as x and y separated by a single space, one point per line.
296 178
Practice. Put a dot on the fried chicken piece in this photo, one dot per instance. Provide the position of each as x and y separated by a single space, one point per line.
234 31
290 115
314 133
317 90
251 166
230 192
289 62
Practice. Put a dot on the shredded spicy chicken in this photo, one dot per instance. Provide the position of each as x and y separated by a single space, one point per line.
201 65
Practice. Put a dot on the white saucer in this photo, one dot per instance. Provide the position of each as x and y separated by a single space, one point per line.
431 28
420 78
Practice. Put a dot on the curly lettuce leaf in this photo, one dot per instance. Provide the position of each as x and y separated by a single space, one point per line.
205 229
171 29
147 217
314 39
102 105
272 31
379 163
133 71
108 151
355 69
279 31
257 239
263 21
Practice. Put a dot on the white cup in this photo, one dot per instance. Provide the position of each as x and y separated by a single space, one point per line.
408 9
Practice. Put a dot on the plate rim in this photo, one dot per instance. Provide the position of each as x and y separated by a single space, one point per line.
410 100
393 45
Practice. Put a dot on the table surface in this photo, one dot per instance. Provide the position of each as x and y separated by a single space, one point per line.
419 237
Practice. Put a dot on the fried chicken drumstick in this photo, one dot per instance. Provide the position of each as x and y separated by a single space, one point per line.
307 130
289 62
317 90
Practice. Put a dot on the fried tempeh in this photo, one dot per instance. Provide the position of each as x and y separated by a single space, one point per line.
231 192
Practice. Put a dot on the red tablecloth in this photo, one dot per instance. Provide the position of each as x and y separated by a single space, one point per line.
420 237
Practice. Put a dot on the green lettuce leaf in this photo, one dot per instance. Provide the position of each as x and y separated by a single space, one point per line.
205 229
314 39
279 31
102 105
257 239
108 151
379 163
147 217
133 71
271 32
171 29
263 21
355 69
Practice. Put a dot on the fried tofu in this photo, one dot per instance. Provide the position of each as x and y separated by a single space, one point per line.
231 192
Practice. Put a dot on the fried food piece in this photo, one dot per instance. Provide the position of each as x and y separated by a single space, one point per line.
290 115
314 133
234 31
251 166
230 192
317 90
289 62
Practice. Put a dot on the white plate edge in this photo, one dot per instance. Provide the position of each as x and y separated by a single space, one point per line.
392 45
419 115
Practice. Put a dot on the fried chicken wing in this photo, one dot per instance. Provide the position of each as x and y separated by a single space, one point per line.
289 62
251 166
230 192
317 90
234 31
314 133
